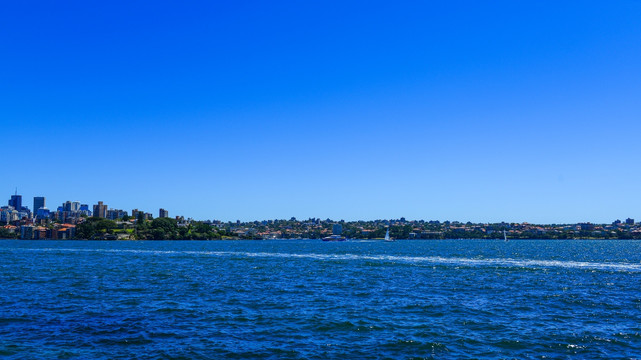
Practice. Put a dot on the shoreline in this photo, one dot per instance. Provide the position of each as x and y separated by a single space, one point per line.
320 239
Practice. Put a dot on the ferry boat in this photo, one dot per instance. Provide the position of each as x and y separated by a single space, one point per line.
334 238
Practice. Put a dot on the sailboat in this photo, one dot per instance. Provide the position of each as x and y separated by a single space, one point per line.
387 238
505 236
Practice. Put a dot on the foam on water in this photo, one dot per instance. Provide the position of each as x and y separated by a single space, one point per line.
437 260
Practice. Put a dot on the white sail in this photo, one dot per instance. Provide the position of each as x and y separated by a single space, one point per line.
505 235
387 238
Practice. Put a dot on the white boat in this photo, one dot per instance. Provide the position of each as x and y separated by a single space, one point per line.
505 236
387 238
334 238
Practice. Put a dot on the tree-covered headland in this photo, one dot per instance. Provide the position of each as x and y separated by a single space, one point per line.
156 229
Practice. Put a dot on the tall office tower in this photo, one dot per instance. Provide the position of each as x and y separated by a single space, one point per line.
100 210
16 202
163 213
38 202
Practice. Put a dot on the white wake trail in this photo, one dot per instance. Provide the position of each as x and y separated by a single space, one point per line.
436 260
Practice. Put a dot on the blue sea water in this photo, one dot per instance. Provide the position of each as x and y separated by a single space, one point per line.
306 299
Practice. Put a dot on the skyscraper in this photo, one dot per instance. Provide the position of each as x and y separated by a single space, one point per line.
16 202
38 202
100 210
163 213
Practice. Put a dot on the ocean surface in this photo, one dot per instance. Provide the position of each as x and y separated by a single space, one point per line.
308 299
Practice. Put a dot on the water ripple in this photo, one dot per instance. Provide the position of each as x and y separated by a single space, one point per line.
313 300
437 260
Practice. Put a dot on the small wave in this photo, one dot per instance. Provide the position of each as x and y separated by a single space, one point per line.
436 260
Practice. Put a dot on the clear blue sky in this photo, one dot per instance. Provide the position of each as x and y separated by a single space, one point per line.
448 110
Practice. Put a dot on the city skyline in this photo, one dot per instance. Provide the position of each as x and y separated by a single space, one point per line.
101 209
73 220
452 111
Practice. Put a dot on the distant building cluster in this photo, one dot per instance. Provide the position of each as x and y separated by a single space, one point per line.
73 218
314 228
45 223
